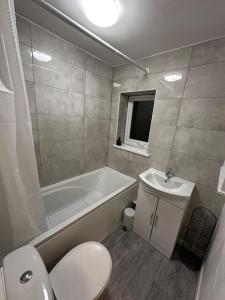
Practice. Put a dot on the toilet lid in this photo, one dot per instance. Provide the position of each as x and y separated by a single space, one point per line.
83 273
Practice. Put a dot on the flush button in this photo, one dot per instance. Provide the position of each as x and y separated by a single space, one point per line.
26 276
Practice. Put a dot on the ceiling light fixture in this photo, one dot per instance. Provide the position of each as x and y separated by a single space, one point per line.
103 13
41 56
173 77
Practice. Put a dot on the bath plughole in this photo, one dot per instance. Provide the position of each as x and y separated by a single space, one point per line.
112 138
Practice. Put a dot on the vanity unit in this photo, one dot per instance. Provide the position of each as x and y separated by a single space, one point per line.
161 207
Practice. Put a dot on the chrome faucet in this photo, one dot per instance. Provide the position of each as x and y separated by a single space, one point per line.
169 174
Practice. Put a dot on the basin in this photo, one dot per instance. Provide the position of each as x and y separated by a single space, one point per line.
174 188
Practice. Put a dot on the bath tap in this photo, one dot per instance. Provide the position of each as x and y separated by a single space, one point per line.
169 174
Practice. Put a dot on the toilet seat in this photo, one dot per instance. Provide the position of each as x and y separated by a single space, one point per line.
83 273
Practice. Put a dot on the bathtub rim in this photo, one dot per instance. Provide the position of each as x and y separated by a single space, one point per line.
69 180
50 233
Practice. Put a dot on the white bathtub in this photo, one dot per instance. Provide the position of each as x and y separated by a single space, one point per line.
86 207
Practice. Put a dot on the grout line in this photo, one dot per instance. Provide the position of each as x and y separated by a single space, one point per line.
109 137
178 114
84 137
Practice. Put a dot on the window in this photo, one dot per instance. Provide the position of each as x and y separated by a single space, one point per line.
138 122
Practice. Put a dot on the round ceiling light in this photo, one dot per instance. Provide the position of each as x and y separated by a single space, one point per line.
103 13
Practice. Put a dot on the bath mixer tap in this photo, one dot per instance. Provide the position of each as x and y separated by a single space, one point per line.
169 174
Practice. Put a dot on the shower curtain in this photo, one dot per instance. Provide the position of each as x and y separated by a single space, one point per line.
22 214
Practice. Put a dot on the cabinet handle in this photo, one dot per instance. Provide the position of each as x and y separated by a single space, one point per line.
156 221
151 219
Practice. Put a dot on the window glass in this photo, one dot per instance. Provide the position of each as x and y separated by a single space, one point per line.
141 120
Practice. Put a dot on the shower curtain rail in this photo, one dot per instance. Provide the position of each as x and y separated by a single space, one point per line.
87 32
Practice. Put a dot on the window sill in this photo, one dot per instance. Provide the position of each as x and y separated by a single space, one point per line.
132 149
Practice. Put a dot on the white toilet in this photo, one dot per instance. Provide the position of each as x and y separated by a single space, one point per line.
82 274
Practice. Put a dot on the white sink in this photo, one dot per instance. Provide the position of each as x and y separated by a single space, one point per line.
174 188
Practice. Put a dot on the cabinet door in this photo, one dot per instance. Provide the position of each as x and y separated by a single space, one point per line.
144 214
166 226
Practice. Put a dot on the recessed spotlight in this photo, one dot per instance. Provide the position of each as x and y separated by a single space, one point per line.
103 13
41 56
173 77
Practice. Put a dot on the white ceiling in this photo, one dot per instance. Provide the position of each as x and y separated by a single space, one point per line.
145 27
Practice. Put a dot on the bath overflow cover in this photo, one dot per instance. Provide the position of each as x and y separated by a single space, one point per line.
26 276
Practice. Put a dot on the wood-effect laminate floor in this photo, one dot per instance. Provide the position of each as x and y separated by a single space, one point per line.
142 273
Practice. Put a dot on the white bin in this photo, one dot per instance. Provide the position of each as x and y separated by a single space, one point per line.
128 218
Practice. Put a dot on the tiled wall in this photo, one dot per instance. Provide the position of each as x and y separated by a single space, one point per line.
188 125
69 100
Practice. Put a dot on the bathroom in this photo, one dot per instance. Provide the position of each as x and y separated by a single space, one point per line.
109 105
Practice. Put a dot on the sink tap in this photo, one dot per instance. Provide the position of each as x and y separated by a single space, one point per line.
169 174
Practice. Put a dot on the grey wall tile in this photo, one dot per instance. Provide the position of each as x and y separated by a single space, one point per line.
48 100
50 127
51 151
74 128
59 171
125 72
206 81
44 40
92 163
37 154
23 29
54 101
96 128
96 66
56 46
208 52
118 159
196 169
95 147
166 111
137 164
171 60
73 102
208 113
61 150
164 89
59 127
58 94
31 96
122 86
114 110
98 86
159 158
200 142
161 136
34 127
74 56
113 128
123 105
26 56
97 108
72 149
64 76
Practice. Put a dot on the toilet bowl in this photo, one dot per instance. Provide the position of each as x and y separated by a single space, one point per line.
82 274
